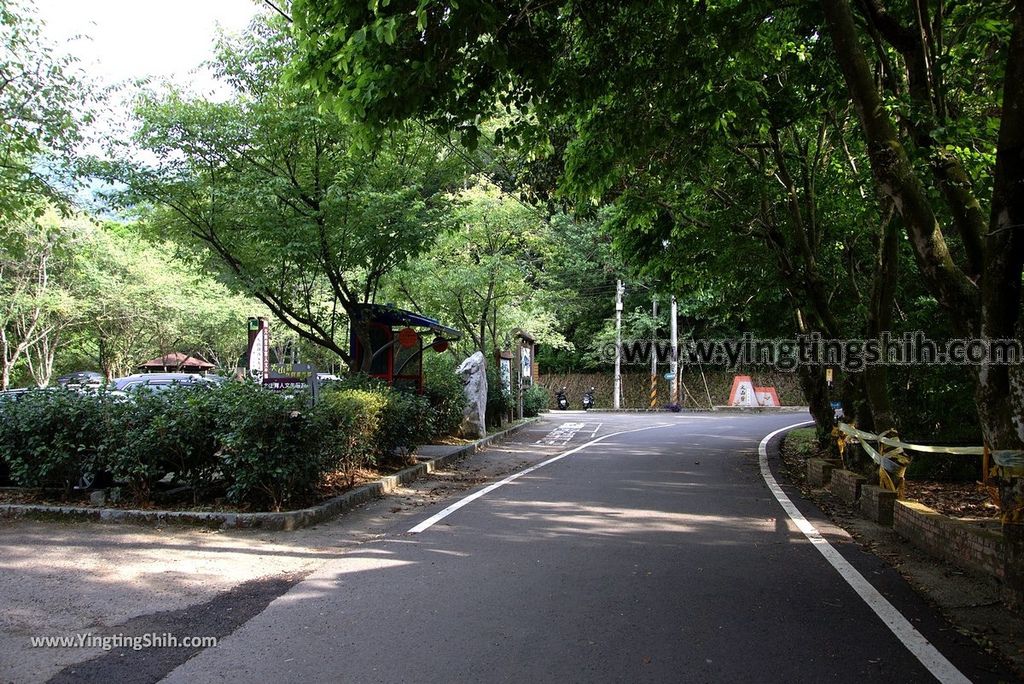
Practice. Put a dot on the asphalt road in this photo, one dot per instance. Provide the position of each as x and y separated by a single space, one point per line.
658 554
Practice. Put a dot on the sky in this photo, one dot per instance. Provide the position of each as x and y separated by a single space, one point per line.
129 39
124 40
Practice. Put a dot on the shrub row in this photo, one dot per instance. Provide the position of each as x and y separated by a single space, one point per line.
257 448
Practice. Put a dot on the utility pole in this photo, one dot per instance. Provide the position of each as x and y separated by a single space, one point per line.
654 352
674 367
617 391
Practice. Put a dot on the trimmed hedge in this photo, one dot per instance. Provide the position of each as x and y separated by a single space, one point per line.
49 438
259 449
443 389
535 400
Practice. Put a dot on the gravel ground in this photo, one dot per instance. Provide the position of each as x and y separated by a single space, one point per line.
61 579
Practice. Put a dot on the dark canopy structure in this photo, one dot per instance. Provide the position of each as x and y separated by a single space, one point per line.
396 343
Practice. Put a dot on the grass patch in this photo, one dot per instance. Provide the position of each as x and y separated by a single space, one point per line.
802 442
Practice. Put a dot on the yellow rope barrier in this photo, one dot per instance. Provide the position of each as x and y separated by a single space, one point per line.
892 461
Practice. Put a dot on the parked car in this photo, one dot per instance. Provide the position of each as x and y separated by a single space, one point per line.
159 382
13 394
84 379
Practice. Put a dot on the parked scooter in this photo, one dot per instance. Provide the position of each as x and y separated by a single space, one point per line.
588 399
561 399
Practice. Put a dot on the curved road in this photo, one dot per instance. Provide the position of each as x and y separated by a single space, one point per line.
654 555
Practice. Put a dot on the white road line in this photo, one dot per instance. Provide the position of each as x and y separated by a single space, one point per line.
434 519
561 434
916 643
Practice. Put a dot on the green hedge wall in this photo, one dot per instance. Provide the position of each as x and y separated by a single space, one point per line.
260 450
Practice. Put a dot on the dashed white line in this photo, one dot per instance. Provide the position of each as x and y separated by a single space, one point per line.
916 643
434 519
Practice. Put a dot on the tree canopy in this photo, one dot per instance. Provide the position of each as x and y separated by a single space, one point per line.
295 209
44 105
759 120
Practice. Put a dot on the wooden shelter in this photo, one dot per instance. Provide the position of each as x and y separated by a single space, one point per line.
176 362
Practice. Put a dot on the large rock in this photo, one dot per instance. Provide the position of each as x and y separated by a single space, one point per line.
473 372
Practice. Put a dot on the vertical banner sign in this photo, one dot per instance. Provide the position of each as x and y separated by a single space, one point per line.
527 365
505 369
259 349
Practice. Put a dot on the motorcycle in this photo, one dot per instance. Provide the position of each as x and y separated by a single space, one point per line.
588 399
561 399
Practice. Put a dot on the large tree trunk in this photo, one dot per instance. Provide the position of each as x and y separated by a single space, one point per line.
992 313
815 390
1001 388
883 293
895 176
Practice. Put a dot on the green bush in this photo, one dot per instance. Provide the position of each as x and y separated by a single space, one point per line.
51 437
266 449
535 400
166 432
443 389
271 453
348 422
188 429
373 426
407 423
132 447
499 402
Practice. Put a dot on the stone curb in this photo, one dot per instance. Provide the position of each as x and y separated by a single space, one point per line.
285 520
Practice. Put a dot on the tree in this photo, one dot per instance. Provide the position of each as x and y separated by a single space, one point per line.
34 258
705 70
485 274
138 299
43 106
298 209
982 292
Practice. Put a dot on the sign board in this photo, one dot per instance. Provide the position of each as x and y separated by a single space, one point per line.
670 375
259 348
745 394
766 396
526 364
283 383
505 370
742 393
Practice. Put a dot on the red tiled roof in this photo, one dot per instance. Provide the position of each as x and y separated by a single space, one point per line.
176 360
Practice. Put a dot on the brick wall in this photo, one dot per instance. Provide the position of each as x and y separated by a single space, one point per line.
846 484
967 545
877 504
819 471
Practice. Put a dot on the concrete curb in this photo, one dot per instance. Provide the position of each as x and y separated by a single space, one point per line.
717 409
285 520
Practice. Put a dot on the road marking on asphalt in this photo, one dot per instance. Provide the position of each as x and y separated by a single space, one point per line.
916 643
437 517
561 434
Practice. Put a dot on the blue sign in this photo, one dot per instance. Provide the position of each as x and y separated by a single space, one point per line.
670 376
837 405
